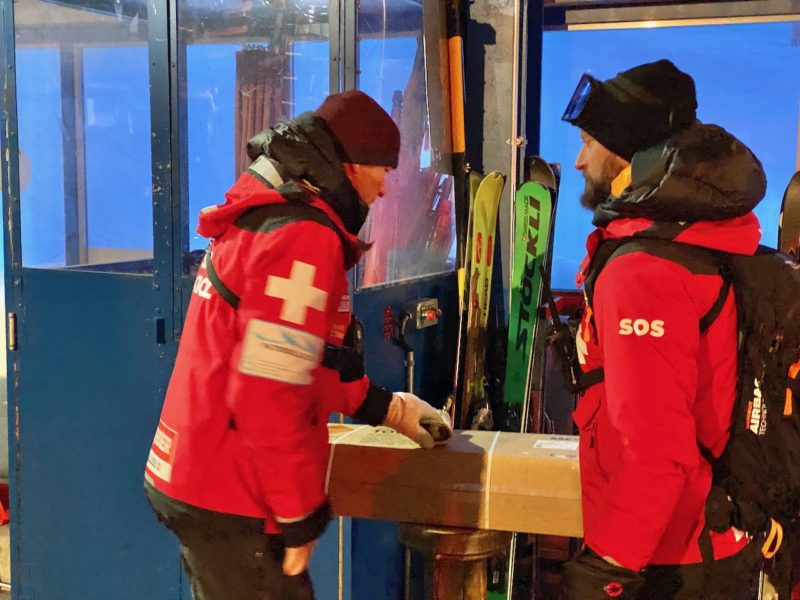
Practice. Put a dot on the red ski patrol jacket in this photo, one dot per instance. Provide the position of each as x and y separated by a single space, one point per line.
244 424
666 386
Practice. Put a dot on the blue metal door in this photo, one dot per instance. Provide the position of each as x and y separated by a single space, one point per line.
88 301
118 128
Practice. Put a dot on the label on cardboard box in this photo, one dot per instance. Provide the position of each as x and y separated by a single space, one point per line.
381 437
365 435
557 444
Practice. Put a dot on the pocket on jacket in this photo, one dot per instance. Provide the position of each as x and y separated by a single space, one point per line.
586 418
586 411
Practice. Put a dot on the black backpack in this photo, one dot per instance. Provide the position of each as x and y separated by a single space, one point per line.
756 481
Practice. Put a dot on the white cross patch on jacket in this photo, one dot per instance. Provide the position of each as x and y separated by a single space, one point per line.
298 292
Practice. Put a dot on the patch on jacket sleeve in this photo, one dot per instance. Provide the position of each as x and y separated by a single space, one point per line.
279 353
346 304
162 452
297 292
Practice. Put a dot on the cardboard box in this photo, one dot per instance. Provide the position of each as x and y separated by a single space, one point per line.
480 480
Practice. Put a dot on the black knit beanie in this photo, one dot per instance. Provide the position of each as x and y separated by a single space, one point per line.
638 108
366 133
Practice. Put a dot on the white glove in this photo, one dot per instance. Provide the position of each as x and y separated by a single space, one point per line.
415 418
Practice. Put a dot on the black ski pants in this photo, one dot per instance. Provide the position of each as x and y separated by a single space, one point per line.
228 557
589 577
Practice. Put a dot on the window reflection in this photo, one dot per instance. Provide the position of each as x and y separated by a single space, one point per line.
247 67
413 227
84 132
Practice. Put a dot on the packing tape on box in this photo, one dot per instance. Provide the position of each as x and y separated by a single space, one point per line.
488 488
333 451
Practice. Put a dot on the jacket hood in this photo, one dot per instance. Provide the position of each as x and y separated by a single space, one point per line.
698 187
701 174
306 150
250 192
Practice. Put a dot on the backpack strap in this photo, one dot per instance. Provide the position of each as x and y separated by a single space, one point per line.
695 258
604 253
707 319
591 378
222 290
268 218
265 219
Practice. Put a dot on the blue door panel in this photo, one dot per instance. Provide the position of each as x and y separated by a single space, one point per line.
377 560
377 556
325 562
433 347
86 420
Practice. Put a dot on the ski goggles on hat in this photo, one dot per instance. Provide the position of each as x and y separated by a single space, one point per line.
587 88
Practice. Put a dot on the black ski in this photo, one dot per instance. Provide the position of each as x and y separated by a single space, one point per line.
789 223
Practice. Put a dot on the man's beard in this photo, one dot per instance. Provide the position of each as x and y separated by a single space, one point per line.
595 193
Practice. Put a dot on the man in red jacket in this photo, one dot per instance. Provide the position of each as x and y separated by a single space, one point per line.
237 467
661 377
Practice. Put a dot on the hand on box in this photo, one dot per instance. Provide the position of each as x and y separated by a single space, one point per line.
418 420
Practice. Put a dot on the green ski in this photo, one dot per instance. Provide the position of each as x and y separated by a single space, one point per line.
532 216
533 219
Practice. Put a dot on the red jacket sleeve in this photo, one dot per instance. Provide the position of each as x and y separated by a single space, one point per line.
648 328
360 399
283 318
338 397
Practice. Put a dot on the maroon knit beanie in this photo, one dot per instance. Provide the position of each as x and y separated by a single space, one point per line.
366 132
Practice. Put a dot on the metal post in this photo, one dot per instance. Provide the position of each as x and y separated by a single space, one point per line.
409 376
514 141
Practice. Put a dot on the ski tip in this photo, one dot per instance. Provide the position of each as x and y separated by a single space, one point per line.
792 191
539 170
794 184
474 181
494 181
789 221
474 174
495 175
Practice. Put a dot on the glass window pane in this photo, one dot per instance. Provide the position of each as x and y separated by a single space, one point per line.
84 131
210 84
117 140
413 227
760 108
41 166
247 67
